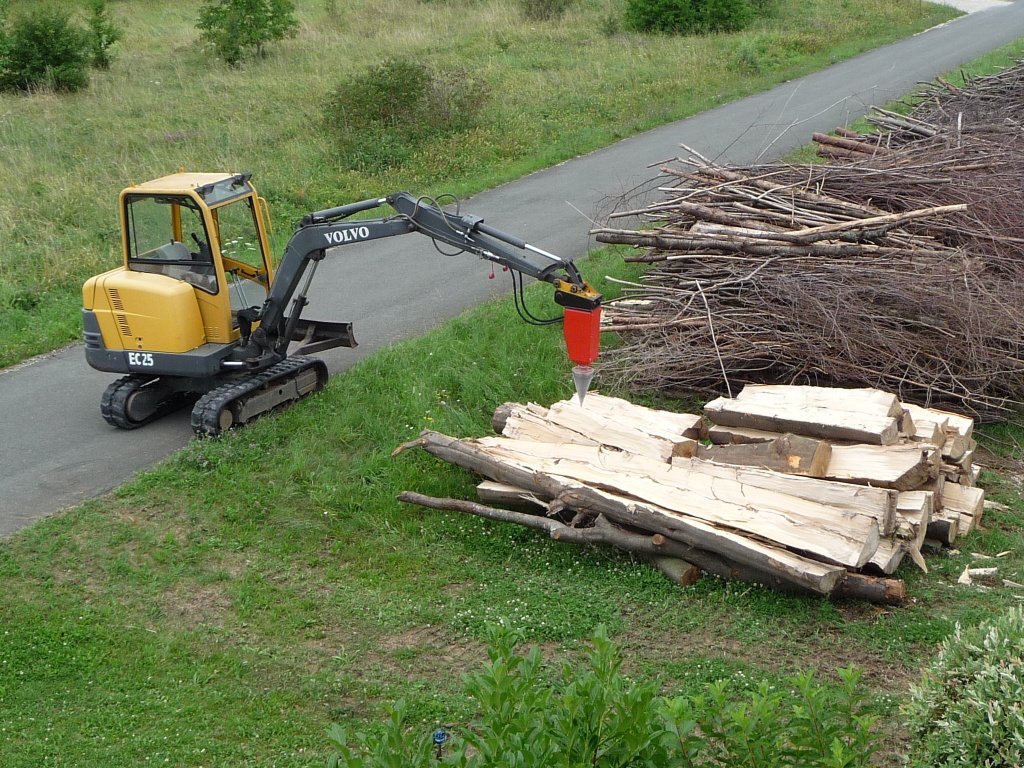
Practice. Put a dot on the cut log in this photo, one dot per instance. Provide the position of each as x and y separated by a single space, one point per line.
791 454
777 563
944 526
678 571
859 415
839 537
903 467
859 586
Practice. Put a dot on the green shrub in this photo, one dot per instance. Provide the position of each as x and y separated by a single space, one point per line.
544 10
969 707
688 16
590 714
103 33
235 28
44 49
379 117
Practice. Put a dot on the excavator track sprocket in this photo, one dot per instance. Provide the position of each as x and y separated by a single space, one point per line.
243 400
131 401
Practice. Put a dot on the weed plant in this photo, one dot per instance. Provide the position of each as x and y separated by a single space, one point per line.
588 712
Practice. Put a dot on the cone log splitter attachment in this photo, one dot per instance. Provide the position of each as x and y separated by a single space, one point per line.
582 327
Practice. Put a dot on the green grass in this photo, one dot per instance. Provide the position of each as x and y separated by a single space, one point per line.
226 606
556 89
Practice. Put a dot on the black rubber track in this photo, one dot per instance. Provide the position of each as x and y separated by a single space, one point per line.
207 411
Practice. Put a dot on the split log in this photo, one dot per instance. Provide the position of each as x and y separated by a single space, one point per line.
845 498
781 565
913 513
968 503
858 415
719 434
903 467
844 538
666 424
929 425
791 454
888 556
506 495
564 424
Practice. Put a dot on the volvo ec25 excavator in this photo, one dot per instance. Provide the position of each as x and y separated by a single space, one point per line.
197 308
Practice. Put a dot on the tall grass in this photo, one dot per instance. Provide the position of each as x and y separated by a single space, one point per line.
557 89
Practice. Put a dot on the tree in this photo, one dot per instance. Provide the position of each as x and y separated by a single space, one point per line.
236 27
103 33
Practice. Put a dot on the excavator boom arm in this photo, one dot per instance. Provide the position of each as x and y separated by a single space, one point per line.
323 230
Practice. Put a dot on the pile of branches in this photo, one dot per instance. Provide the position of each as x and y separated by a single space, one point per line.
896 265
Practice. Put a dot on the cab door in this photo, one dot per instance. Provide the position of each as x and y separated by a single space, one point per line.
241 238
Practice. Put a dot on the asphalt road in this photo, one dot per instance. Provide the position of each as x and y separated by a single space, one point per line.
56 450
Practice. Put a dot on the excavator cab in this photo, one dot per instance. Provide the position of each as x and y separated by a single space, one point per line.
195 253
205 230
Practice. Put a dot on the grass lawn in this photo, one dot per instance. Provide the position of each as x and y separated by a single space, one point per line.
226 606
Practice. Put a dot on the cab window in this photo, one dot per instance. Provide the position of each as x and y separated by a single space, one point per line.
244 260
166 236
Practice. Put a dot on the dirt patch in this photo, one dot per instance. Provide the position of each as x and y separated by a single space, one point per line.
190 605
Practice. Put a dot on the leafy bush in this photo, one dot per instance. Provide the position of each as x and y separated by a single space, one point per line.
44 49
969 708
591 714
688 16
234 28
379 117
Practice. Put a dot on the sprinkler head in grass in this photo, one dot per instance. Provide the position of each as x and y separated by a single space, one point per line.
582 375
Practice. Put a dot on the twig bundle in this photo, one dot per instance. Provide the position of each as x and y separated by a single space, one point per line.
896 266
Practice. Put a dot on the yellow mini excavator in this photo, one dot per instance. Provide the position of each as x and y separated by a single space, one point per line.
197 308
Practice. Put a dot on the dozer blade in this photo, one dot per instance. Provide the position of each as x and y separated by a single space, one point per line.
317 335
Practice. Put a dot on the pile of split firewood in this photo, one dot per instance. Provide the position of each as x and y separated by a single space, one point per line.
895 265
808 489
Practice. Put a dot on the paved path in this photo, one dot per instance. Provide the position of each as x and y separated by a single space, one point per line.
56 451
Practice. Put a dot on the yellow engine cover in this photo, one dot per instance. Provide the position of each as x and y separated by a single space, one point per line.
139 310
